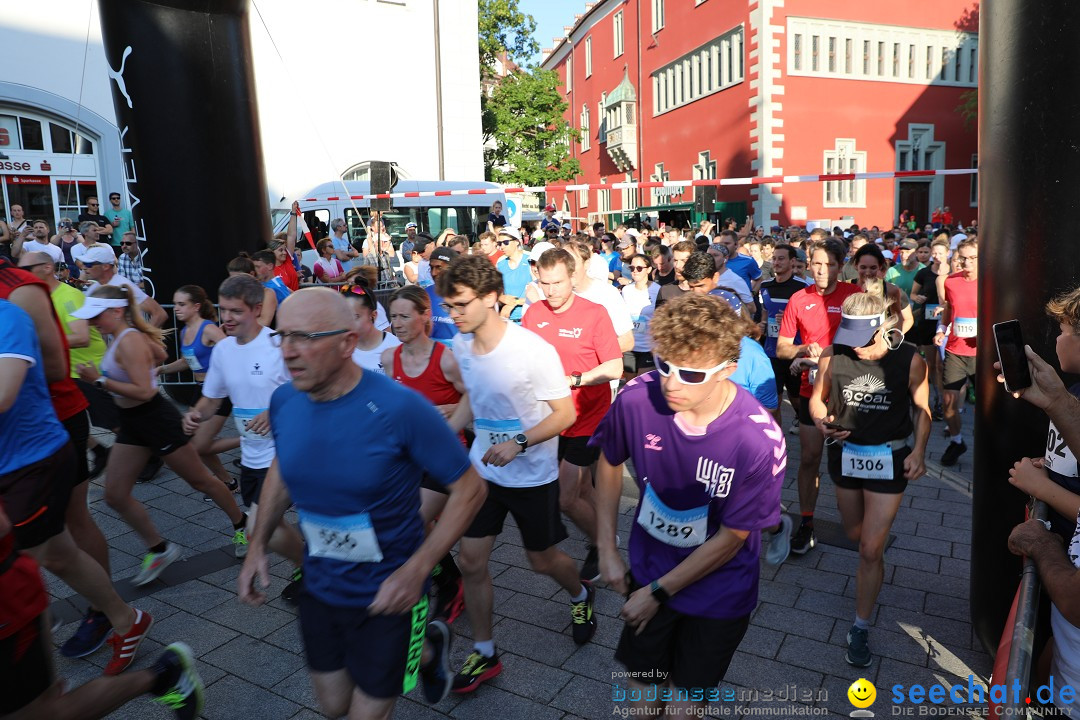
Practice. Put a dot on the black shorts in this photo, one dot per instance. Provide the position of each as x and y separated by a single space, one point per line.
535 510
251 482
25 665
36 496
895 486
803 411
103 411
959 369
576 450
381 653
923 333
691 652
638 362
78 428
785 381
155 424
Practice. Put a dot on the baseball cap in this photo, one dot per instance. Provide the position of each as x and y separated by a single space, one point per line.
409 225
539 249
94 306
443 253
908 245
800 254
566 226
99 255
632 232
549 208
510 233
729 297
857 330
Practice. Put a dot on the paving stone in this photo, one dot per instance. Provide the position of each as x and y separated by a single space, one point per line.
537 611
530 679
200 634
923 490
195 597
297 688
829 604
941 631
288 638
778 593
510 555
255 661
253 621
181 507
926 562
948 607
923 517
595 661
525 580
961 550
607 603
408 709
492 702
586 697
231 697
759 673
810 654
761 641
936 531
918 580
920 544
811 625
546 646
956 567
811 578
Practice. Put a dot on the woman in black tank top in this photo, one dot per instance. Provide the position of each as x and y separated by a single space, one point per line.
868 383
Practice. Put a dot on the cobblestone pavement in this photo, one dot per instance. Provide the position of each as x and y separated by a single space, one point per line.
253 665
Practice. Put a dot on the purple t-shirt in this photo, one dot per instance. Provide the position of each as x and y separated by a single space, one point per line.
691 484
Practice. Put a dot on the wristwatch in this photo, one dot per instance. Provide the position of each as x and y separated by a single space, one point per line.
522 440
577 378
100 381
658 592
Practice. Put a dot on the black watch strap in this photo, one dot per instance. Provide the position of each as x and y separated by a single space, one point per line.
659 592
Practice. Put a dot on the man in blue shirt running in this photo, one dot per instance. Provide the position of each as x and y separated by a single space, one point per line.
363 616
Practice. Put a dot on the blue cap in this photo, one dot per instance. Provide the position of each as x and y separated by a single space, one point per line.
857 330
410 225
731 298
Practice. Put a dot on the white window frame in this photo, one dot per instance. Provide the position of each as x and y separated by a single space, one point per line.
601 119
629 195
585 139
660 175
617 33
710 68
973 195
657 16
603 202
588 56
841 159
583 198
705 169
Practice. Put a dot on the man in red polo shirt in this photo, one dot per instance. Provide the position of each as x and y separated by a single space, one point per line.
582 334
814 315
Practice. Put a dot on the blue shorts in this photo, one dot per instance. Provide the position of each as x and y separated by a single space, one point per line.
381 653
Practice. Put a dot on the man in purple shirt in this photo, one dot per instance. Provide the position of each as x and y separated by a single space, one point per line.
710 464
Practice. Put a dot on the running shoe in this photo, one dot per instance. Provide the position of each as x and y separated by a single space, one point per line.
125 646
185 695
953 453
476 670
778 544
436 676
858 647
153 465
240 543
794 429
89 636
581 614
450 600
590 569
153 563
803 540
101 459
937 414
291 593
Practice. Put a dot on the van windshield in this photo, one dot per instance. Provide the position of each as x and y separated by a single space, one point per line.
469 221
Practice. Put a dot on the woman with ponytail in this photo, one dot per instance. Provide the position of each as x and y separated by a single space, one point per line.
148 424
868 383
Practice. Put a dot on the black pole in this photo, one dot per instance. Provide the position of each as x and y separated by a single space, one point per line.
1029 163
184 94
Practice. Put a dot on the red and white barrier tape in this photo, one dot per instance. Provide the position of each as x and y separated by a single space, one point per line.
645 185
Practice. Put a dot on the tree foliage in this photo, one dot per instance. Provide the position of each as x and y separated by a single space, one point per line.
969 108
504 28
531 136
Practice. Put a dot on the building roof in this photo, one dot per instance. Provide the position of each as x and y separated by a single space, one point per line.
568 30
624 91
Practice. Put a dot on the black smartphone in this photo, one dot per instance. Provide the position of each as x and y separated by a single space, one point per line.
834 426
1010 351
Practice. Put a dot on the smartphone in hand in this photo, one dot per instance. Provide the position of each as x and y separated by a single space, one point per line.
1010 350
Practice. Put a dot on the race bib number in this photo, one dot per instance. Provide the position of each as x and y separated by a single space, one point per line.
639 324
774 326
493 432
242 416
965 327
192 362
1059 457
678 528
349 538
868 462
929 312
811 375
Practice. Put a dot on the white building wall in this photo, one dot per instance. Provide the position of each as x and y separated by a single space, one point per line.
355 81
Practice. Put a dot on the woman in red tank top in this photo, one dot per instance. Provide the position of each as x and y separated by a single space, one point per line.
429 368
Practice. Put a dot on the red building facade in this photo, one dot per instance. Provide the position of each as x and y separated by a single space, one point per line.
689 89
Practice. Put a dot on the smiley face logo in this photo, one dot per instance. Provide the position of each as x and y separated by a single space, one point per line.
862 693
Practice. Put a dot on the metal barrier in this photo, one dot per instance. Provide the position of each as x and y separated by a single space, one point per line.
1023 634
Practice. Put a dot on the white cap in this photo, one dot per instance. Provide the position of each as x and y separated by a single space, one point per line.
98 254
539 249
632 232
511 233
94 306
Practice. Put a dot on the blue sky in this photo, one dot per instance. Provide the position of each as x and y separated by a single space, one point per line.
551 16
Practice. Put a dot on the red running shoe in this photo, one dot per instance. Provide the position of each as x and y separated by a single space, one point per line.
450 601
125 646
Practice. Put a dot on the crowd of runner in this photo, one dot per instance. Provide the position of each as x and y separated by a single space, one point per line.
538 366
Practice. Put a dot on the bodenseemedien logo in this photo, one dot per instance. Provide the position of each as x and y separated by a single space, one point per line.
861 694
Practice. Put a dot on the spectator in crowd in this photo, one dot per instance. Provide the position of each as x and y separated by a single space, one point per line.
66 238
459 244
100 264
130 263
265 263
36 239
490 247
328 268
496 220
243 265
515 272
342 249
93 214
118 217
286 261
408 243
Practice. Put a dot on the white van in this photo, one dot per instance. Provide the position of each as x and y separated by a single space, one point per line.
466 214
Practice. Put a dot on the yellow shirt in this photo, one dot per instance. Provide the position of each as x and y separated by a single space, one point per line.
67 300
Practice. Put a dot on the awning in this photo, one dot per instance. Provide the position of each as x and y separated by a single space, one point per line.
669 206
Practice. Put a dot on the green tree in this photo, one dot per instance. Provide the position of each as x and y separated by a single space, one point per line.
504 28
531 135
969 108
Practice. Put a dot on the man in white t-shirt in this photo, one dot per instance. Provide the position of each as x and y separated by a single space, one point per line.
246 368
521 401
100 264
36 240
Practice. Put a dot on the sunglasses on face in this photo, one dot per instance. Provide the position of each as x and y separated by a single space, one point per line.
687 376
503 242
637 268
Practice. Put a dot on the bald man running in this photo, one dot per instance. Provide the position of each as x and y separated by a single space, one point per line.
367 562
